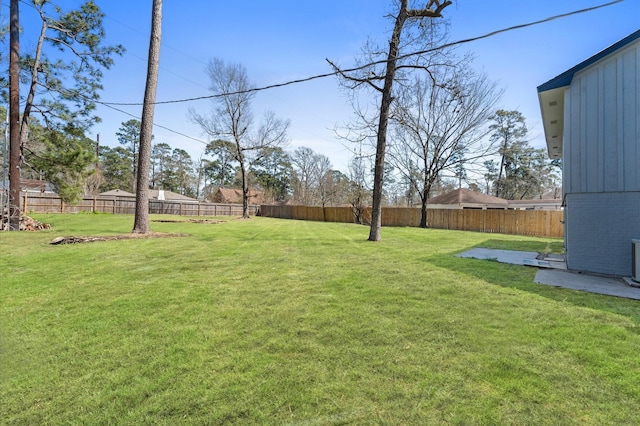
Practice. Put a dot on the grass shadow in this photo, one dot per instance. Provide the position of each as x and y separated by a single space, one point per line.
542 246
522 278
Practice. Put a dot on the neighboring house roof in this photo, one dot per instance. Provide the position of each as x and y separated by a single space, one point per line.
153 195
228 195
539 204
168 195
234 196
35 185
551 96
467 196
116 193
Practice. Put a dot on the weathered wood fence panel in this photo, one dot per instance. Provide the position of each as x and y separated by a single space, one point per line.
45 203
541 223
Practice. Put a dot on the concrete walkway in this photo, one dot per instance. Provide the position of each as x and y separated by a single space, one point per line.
553 272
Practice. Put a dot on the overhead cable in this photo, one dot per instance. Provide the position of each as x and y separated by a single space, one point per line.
333 73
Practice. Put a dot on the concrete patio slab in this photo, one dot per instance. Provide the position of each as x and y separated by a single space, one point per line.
553 272
585 282
528 258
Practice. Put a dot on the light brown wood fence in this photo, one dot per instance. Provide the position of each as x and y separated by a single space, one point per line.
540 223
45 203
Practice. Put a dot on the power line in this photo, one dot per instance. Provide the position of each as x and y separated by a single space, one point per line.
112 105
331 74
157 125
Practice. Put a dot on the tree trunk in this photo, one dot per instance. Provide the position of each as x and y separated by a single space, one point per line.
24 126
245 195
245 186
14 120
423 211
433 9
385 105
141 223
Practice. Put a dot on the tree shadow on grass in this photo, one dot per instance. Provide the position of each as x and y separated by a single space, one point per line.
522 278
541 246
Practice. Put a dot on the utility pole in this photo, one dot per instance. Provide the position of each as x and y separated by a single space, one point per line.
14 118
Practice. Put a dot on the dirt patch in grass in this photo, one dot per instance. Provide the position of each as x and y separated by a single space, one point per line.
90 239
207 221
78 240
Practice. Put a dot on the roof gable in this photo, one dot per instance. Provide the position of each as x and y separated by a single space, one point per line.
465 196
551 96
234 196
154 194
565 78
116 193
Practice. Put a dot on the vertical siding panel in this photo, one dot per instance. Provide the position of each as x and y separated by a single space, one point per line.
577 183
627 96
610 108
636 118
578 139
630 127
568 183
593 121
583 138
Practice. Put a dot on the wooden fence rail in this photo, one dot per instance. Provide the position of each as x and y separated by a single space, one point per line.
539 223
45 203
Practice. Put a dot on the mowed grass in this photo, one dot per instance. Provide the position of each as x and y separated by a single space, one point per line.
268 321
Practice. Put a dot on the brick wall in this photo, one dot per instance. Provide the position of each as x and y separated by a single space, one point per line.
599 228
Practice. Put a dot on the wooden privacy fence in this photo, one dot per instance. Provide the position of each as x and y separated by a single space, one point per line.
539 223
45 203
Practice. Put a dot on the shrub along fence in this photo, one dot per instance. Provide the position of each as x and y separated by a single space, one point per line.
45 203
540 223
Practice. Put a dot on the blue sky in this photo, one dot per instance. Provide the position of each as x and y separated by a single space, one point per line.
278 41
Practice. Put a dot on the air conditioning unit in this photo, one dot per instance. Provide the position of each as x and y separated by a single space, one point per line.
635 259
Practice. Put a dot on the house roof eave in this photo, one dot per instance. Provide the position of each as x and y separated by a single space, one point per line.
551 96
552 109
566 77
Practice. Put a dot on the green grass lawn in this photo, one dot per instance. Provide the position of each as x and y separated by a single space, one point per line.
268 321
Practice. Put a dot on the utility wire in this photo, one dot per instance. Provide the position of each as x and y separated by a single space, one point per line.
156 125
331 74
112 105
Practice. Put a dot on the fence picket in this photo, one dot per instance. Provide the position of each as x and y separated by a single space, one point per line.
45 203
539 223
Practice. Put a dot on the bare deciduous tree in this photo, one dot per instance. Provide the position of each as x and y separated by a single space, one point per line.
360 190
405 14
232 120
309 179
439 123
